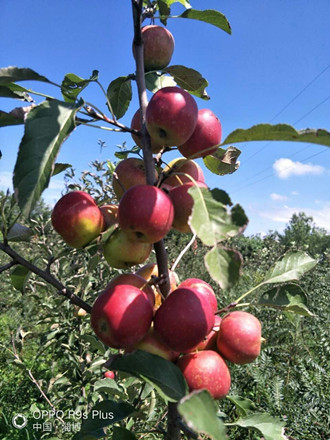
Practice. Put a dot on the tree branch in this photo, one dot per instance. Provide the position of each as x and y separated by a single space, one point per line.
45 275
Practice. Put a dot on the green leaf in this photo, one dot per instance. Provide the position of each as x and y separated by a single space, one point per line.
162 374
73 85
120 95
185 3
224 266
19 233
210 219
290 297
60 167
279 132
243 406
292 266
164 11
7 119
270 427
199 411
47 126
223 161
109 386
189 79
19 277
122 434
94 342
12 90
12 74
106 413
156 81
210 16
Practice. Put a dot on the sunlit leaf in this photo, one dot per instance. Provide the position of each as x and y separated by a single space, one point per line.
162 374
60 167
279 132
73 85
290 268
199 411
224 266
120 95
272 428
290 297
189 79
210 16
243 405
12 90
156 81
47 127
12 74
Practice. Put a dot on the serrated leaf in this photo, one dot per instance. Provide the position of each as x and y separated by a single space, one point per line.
224 266
60 167
120 95
211 220
243 406
162 374
73 85
199 411
12 90
12 74
156 81
46 128
122 434
106 413
223 161
272 428
7 119
292 266
279 132
19 277
209 16
290 298
189 79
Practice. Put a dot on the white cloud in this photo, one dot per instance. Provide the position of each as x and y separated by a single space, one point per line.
285 168
278 197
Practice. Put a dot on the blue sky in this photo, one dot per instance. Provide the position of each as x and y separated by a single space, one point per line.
275 67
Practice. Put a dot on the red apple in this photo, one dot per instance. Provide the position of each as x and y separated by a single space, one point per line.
210 341
152 344
206 370
77 218
183 204
129 172
110 215
207 134
239 338
121 252
145 213
182 166
158 47
136 125
203 288
121 316
136 280
171 116
184 319
109 374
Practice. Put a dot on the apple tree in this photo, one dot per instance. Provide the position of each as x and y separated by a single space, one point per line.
163 341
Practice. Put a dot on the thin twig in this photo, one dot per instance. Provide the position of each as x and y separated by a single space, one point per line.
181 254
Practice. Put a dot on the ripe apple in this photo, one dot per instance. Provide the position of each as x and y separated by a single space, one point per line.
136 280
152 344
121 252
136 125
181 165
77 218
145 213
210 341
184 319
207 134
171 116
203 288
158 47
206 370
183 204
129 172
121 315
109 374
110 215
239 338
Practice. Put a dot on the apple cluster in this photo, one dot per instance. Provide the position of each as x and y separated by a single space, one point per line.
131 313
